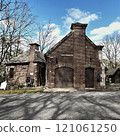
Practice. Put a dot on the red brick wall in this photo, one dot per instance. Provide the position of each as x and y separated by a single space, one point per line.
92 60
84 55
20 73
65 47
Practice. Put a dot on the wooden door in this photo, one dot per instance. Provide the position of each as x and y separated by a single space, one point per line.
63 77
89 77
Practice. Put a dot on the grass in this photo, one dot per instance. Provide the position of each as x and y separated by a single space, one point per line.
115 84
22 91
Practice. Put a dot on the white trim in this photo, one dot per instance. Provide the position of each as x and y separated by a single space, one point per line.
66 55
46 77
89 88
50 57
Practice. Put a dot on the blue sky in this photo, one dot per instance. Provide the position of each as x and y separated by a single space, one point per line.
102 16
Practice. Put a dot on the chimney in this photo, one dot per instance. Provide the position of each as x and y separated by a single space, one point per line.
33 48
78 28
79 43
32 66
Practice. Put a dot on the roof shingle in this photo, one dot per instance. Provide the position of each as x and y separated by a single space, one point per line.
111 72
25 58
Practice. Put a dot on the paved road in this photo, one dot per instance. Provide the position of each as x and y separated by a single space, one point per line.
76 105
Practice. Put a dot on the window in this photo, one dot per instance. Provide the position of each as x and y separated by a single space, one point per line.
91 60
27 79
56 60
11 74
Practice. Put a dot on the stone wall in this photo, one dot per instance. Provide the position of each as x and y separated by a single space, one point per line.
92 60
80 52
58 58
22 71
20 74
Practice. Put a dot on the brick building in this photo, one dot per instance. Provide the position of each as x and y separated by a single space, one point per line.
113 75
27 68
74 61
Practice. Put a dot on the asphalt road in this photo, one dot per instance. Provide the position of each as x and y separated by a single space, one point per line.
76 105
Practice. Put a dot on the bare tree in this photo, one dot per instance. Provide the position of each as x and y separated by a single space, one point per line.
111 49
4 4
45 36
14 29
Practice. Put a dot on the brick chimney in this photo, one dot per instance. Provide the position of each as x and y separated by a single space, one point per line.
33 48
78 28
79 44
32 68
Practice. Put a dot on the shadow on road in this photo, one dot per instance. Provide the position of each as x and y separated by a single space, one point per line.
89 105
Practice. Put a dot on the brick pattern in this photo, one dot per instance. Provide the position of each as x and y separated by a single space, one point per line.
84 55
21 71
75 51
20 74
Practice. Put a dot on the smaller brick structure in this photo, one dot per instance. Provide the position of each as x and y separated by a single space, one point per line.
27 69
114 75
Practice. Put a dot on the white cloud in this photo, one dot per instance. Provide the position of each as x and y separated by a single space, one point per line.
56 33
89 18
76 15
4 23
51 26
99 33
118 19
68 21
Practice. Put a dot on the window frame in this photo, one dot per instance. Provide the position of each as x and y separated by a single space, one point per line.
11 73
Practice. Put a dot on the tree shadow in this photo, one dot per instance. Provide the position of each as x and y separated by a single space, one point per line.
67 106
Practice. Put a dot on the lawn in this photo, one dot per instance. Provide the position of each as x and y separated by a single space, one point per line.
22 91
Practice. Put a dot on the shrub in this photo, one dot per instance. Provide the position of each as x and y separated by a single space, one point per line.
20 86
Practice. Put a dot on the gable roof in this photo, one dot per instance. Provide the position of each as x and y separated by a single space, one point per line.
39 57
94 45
66 37
59 43
25 58
111 72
